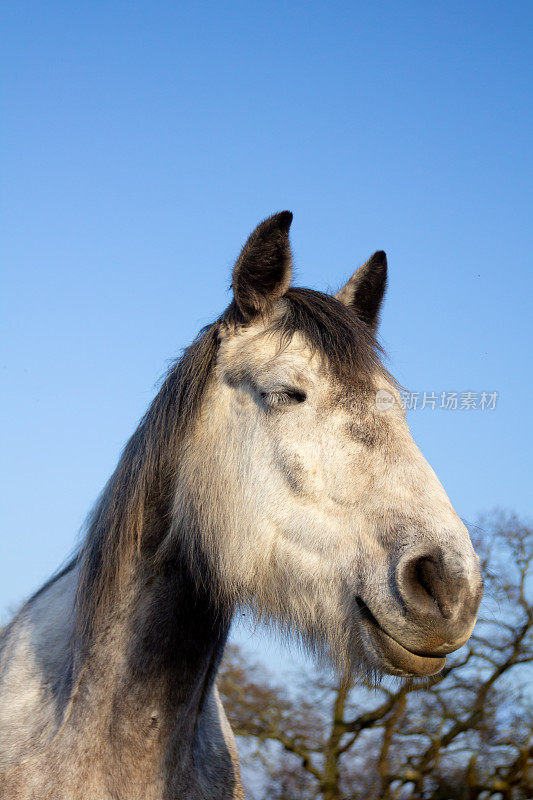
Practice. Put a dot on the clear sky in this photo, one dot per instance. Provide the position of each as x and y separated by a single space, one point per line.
143 141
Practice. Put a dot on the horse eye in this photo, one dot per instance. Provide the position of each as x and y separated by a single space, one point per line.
296 395
283 397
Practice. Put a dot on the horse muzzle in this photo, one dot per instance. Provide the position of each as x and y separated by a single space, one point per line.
437 599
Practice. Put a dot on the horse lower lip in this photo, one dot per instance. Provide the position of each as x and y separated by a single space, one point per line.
400 660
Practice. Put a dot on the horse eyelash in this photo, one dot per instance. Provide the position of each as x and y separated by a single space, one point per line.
284 397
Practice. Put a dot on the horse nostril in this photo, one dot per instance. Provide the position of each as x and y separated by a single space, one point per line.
426 587
429 575
440 592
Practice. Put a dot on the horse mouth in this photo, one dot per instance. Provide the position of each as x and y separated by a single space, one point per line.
395 658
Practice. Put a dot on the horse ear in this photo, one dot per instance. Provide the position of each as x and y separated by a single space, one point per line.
263 270
365 289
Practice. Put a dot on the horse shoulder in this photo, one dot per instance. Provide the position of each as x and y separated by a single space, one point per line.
34 671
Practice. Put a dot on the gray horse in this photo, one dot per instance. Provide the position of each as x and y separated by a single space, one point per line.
265 473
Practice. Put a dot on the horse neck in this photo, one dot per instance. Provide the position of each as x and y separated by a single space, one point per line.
154 662
160 640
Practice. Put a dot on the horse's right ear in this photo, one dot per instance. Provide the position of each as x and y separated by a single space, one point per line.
263 270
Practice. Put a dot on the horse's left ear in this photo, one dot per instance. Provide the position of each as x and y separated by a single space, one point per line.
263 270
365 289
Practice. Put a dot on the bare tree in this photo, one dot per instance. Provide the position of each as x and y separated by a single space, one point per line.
465 734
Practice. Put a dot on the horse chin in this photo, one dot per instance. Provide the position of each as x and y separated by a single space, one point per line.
391 657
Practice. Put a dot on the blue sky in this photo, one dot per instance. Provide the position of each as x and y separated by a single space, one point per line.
141 144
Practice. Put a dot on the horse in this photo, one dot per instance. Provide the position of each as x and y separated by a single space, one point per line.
265 474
